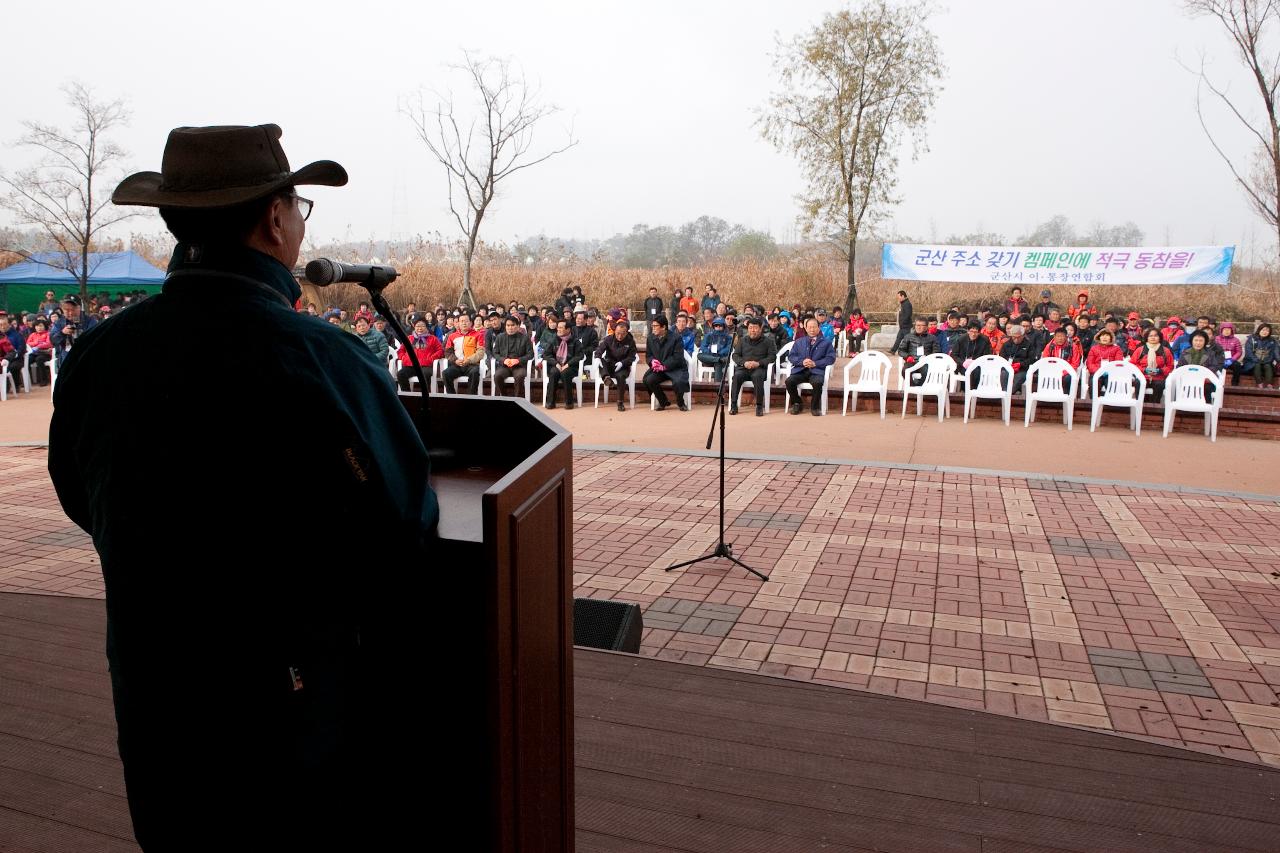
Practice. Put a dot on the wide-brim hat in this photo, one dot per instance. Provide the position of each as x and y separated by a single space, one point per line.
208 167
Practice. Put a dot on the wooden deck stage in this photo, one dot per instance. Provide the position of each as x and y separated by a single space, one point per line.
679 757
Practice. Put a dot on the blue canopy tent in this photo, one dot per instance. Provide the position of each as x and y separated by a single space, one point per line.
23 285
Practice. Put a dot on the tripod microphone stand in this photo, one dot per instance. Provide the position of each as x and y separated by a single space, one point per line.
722 549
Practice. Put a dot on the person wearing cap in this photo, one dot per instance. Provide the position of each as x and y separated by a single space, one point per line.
67 329
426 347
1131 337
1172 331
262 678
825 327
1045 305
716 349
616 354
664 353
753 354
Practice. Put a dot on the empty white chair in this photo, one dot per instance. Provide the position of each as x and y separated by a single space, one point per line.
842 345
590 370
768 386
1184 391
937 369
1125 388
873 378
6 381
1051 380
994 382
631 384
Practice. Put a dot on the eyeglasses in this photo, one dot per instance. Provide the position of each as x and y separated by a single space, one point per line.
304 206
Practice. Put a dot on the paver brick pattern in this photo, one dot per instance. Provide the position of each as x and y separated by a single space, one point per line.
1146 613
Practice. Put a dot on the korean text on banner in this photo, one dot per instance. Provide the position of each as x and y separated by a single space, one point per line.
1040 266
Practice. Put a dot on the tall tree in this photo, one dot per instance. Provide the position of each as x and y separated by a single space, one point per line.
1248 23
67 193
480 152
850 90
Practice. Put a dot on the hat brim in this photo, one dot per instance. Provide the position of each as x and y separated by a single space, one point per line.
145 189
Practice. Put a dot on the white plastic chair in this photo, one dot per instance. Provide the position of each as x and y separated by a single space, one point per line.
528 379
1044 384
590 371
768 386
873 378
842 345
826 386
1184 392
781 366
26 371
631 384
6 381
992 384
1126 388
484 374
938 369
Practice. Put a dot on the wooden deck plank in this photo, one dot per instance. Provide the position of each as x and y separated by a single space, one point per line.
672 757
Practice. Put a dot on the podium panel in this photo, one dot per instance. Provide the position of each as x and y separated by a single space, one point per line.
506 546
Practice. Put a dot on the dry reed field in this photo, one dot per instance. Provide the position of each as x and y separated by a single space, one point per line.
1255 296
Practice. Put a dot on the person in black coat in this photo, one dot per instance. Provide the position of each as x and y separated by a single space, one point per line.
616 354
563 364
585 331
973 345
752 356
664 353
653 306
904 319
1020 351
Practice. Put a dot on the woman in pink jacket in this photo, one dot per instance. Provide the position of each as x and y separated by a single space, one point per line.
41 350
1232 351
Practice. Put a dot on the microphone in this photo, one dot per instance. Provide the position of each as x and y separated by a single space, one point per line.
323 272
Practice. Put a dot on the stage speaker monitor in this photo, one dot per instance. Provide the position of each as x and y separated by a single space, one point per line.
612 625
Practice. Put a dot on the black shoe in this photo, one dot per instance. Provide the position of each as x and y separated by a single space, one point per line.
568 404
733 410
622 407
662 405
551 405
680 404
795 408
816 411
759 412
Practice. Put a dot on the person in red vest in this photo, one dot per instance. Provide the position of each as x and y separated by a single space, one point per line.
1082 306
1015 305
427 347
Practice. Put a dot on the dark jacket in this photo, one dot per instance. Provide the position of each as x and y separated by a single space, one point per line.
231 611
668 349
1021 352
511 346
947 338
1039 338
965 349
1264 350
1207 358
721 340
576 352
1042 309
904 315
654 307
618 351
911 342
587 336
779 335
764 350
376 342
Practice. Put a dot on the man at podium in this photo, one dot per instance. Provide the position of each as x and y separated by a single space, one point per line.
263 675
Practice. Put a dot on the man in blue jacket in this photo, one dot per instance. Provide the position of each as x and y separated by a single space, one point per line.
810 356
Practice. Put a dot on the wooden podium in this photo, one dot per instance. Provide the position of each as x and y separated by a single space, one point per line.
506 548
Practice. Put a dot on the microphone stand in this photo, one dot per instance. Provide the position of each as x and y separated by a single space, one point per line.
722 549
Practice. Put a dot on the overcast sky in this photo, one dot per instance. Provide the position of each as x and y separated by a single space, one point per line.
1076 107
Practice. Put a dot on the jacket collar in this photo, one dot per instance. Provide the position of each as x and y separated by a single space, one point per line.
241 261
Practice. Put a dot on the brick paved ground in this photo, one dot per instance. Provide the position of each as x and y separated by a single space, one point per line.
1146 613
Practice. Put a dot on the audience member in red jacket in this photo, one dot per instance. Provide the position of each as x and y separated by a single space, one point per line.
1155 360
41 349
1082 306
991 331
427 347
855 330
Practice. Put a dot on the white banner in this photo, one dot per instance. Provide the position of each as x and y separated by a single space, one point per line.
1040 266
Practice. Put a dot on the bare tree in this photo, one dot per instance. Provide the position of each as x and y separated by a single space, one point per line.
850 89
481 152
1247 23
67 193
